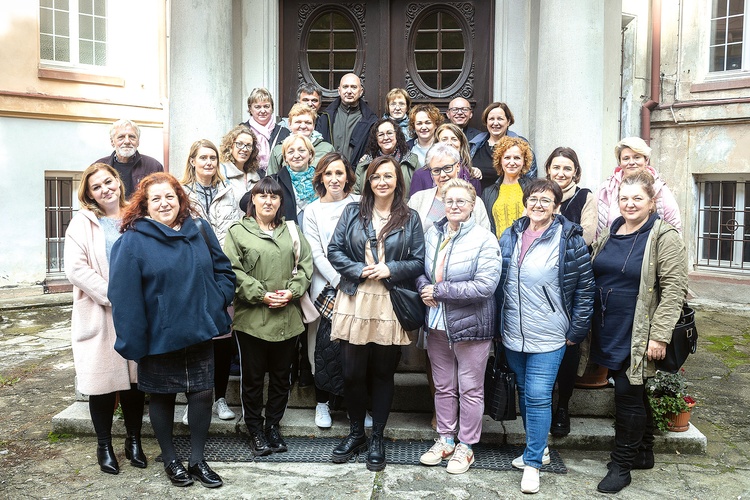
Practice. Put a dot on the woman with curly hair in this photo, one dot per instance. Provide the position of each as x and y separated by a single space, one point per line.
163 258
504 199
386 138
423 120
239 160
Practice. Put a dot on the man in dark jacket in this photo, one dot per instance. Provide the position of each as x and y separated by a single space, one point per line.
131 165
346 122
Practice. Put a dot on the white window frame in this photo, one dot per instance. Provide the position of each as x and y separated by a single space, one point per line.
745 59
59 240
736 264
75 38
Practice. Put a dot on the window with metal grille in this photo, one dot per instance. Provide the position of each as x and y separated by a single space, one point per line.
332 49
728 34
723 230
59 194
73 31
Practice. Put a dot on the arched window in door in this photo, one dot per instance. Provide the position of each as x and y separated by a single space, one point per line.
440 40
332 42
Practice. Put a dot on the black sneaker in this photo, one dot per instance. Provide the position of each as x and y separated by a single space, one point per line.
259 444
275 441
203 473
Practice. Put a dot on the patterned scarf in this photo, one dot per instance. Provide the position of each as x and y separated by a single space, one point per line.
302 184
263 132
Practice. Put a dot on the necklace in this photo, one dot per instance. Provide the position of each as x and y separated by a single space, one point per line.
382 217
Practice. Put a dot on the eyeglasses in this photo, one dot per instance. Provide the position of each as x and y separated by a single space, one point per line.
459 111
460 203
383 135
545 202
376 178
445 169
242 145
397 104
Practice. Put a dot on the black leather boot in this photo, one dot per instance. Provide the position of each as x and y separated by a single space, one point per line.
560 423
134 451
105 455
355 442
376 452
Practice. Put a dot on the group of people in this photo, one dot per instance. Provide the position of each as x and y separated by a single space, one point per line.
372 219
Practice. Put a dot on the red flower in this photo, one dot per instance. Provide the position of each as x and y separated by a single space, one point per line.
689 400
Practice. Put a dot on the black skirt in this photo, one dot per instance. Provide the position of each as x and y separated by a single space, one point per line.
186 370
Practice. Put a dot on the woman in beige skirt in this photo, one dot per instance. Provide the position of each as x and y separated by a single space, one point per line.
378 242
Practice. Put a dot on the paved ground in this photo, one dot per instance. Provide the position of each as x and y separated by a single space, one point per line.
36 382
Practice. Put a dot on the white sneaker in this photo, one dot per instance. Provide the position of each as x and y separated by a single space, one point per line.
222 409
462 458
323 416
184 417
439 452
518 462
368 420
530 480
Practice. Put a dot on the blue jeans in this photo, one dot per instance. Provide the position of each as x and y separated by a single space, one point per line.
535 377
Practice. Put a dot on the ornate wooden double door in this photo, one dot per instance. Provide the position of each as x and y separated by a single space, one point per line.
435 50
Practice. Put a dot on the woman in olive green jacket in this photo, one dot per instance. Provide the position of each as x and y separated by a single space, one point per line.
272 275
640 268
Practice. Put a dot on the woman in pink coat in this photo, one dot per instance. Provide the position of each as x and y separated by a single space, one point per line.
101 373
634 155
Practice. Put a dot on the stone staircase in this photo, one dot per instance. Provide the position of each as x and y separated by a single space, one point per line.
591 420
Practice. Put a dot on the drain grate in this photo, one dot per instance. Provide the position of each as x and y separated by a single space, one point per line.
318 450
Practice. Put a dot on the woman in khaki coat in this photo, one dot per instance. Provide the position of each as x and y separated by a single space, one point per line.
101 373
640 268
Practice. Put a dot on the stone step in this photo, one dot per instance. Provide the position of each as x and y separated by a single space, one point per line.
413 395
586 432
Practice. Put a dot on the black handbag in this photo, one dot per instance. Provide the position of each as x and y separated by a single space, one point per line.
408 305
499 388
684 342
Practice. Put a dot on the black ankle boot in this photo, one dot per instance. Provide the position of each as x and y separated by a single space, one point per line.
560 423
134 451
376 452
105 455
355 442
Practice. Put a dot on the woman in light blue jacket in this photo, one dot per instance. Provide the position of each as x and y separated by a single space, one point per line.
462 270
545 299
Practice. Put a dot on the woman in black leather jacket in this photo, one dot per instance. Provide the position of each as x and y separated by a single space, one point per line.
377 243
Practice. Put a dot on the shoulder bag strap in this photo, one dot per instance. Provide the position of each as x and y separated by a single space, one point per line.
292 227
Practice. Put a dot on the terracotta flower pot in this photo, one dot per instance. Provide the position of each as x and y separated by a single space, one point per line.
680 422
594 377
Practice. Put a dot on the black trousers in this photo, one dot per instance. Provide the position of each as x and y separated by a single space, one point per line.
258 357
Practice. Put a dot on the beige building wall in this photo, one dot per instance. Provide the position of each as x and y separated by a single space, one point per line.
701 129
55 118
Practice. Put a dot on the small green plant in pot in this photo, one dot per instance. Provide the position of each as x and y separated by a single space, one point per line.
667 396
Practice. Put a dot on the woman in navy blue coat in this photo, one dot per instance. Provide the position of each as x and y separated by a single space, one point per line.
170 286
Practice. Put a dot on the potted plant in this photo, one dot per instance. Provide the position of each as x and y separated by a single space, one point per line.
669 401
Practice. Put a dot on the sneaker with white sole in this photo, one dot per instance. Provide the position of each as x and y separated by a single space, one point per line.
530 480
221 408
368 420
323 416
439 452
184 417
462 458
518 462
